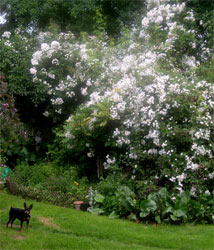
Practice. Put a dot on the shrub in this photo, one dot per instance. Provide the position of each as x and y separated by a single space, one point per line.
160 116
35 175
13 133
45 179
57 197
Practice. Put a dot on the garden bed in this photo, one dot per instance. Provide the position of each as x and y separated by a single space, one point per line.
56 198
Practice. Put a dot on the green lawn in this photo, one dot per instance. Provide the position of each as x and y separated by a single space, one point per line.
53 227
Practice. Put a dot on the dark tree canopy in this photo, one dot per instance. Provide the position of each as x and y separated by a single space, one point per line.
73 15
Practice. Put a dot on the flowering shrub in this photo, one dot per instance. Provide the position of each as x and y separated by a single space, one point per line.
141 98
162 115
67 68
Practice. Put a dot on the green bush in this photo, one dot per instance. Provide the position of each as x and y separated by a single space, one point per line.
13 134
35 175
45 183
68 182
38 194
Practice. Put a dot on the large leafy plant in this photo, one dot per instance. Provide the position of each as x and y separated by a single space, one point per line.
179 208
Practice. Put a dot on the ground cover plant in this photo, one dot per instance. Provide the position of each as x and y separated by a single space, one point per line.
53 227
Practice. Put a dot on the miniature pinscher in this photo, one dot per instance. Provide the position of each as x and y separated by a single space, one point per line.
21 214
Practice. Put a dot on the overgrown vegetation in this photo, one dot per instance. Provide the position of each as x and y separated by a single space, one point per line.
117 114
44 183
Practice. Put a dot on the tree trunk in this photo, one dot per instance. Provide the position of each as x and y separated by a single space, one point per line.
100 167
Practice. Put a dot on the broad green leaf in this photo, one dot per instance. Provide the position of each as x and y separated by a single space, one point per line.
96 211
167 210
180 213
131 201
144 214
99 198
163 193
185 197
126 191
158 219
149 205
174 218
113 215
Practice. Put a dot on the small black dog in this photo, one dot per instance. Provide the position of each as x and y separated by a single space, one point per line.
21 214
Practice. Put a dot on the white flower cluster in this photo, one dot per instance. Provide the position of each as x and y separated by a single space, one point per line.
6 34
109 162
158 12
166 16
72 58
142 107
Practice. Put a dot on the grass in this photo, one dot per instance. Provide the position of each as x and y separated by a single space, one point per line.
53 227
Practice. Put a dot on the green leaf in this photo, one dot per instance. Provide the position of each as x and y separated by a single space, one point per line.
158 219
99 198
126 191
185 197
174 218
163 193
180 213
144 214
167 210
131 201
113 215
102 124
24 150
96 211
149 205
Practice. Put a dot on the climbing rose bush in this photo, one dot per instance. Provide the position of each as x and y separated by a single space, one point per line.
143 95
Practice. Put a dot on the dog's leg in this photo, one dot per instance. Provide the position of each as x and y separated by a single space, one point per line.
9 221
27 224
21 225
12 221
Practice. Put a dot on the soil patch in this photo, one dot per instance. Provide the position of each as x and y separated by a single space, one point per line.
19 237
48 222
15 226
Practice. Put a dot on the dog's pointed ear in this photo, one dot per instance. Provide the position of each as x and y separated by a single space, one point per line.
25 205
31 206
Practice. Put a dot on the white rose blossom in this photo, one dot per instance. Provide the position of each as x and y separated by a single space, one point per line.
6 34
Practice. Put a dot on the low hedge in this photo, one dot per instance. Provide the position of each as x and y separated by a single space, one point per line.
53 197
